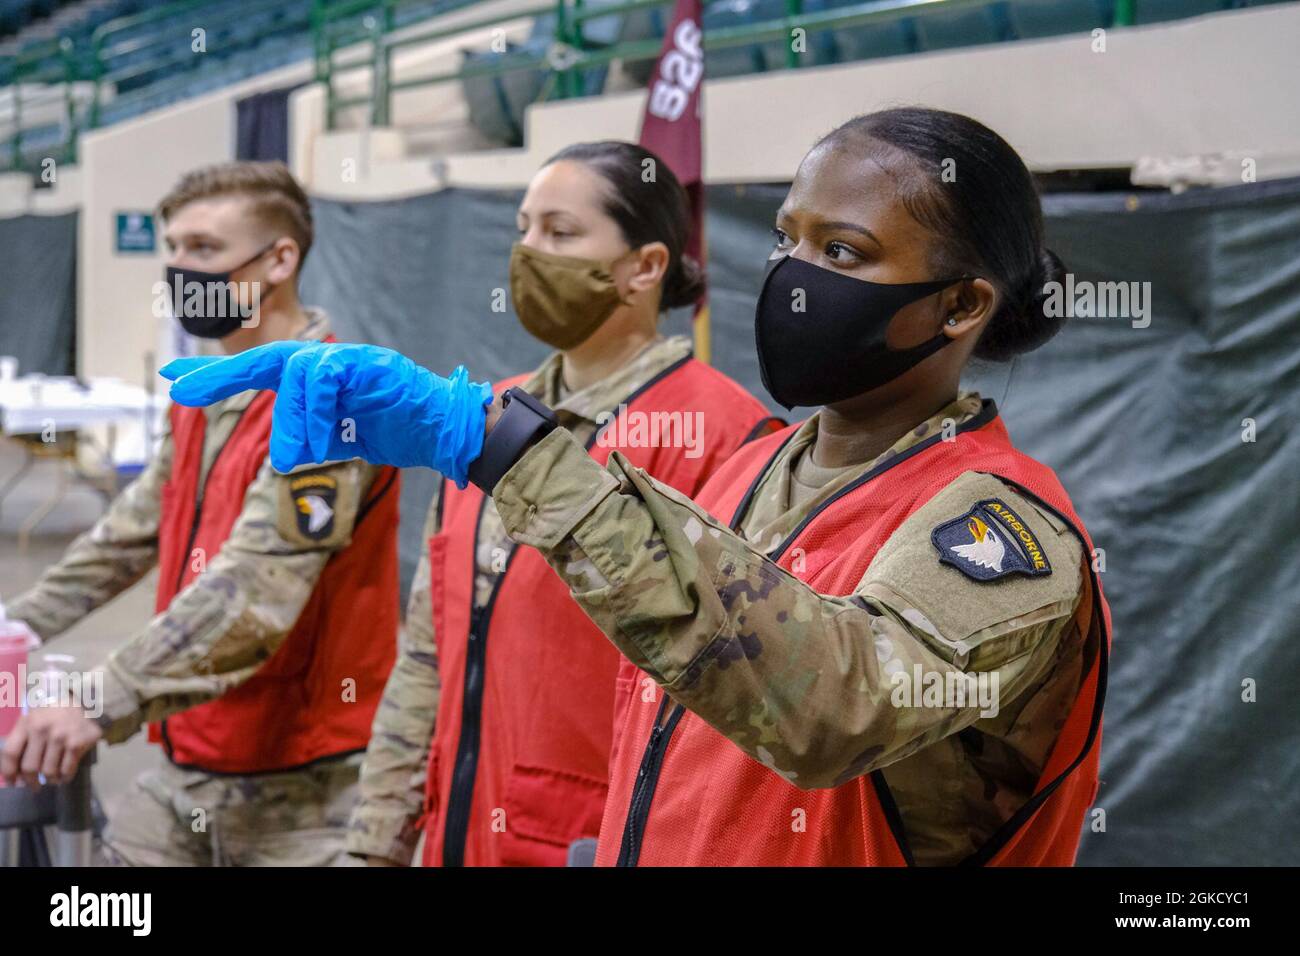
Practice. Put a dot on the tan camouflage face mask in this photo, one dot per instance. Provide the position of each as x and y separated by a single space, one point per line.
562 300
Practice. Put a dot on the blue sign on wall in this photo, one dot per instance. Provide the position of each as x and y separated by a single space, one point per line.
135 232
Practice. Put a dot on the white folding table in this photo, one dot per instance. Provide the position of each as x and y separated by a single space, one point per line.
47 415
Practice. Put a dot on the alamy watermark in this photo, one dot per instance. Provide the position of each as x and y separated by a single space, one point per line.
949 690
633 429
208 299
1099 300
133 911
53 688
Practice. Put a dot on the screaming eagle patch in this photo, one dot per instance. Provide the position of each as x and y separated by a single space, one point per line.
989 542
313 500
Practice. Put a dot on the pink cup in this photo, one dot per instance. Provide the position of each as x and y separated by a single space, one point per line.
16 639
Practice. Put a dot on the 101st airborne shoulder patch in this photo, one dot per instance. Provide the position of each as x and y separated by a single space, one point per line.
989 542
313 499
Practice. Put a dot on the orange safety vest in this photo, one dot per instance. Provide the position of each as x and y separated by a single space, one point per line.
681 794
518 764
296 708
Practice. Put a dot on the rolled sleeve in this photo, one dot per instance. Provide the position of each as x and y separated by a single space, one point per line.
233 617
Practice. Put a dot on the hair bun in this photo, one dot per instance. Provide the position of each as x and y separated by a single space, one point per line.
1021 327
1051 272
1050 269
683 285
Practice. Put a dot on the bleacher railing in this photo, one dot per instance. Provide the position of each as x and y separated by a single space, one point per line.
342 27
352 35
40 75
568 59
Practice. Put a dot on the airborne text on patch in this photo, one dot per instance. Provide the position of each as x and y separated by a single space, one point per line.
989 542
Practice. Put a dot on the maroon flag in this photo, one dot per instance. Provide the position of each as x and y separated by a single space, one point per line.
671 129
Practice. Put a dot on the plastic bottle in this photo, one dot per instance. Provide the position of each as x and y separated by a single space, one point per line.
16 639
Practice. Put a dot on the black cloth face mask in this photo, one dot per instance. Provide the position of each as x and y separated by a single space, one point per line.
833 348
218 312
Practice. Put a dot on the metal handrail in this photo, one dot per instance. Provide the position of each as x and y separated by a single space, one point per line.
572 14
51 61
374 30
69 807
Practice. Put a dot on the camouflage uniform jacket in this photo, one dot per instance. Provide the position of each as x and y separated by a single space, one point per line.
393 775
230 619
813 701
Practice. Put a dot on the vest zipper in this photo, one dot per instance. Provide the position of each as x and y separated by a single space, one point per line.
189 545
647 778
203 487
460 798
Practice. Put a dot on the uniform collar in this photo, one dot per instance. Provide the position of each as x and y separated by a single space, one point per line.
590 403
775 486
965 405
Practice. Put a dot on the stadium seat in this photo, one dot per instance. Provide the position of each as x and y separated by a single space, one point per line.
1156 11
1047 18
496 102
734 60
149 65
873 41
960 28
646 24
820 46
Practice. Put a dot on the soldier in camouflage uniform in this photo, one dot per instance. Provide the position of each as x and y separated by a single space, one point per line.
230 620
803 681
563 200
384 823
766 697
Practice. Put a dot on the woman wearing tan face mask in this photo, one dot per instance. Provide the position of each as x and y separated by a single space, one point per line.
493 737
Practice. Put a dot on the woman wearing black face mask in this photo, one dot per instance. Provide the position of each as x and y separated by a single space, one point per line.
513 736
876 636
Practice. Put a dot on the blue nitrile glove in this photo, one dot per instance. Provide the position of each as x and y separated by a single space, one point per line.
340 401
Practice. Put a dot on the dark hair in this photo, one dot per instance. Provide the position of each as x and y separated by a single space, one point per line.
278 201
647 210
987 216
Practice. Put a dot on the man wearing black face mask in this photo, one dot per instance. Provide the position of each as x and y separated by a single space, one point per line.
229 277
277 594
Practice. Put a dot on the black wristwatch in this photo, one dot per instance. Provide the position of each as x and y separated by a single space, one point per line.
524 420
